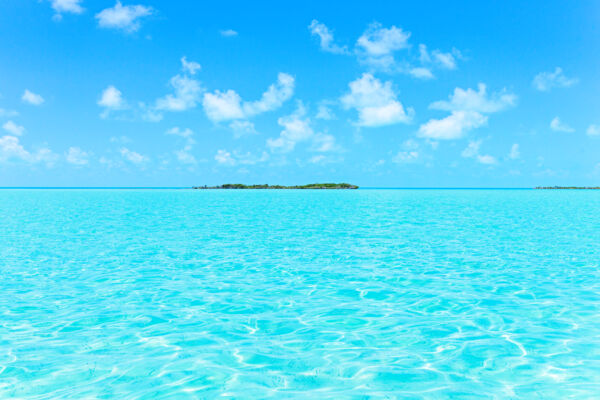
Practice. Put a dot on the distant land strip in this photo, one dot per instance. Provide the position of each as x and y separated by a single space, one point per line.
265 186
569 187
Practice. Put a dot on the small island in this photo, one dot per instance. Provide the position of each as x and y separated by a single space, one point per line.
266 186
570 187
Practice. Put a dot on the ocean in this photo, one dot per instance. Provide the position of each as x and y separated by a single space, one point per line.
341 294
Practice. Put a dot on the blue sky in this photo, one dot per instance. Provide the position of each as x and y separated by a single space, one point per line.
396 94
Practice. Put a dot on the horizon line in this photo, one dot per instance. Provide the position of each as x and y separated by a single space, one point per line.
360 187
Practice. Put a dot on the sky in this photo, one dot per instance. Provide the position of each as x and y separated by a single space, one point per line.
379 93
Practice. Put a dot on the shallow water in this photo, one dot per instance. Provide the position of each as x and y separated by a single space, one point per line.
176 294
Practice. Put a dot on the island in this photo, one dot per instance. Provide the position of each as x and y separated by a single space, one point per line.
266 186
570 187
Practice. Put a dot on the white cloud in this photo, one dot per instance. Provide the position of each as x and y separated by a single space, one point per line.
11 148
111 98
77 156
242 128
324 143
187 93
132 156
470 100
65 6
544 81
593 130
453 126
122 17
438 58
408 154
323 159
184 133
296 128
421 73
444 60
223 106
486 159
228 33
514 152
557 125
32 98
184 156
376 102
377 45
8 113
472 151
226 158
326 38
406 157
324 111
190 66
274 97
13 128
467 109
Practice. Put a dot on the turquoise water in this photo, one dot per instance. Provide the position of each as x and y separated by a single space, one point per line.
408 294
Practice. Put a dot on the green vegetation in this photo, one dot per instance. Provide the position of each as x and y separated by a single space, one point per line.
265 186
569 187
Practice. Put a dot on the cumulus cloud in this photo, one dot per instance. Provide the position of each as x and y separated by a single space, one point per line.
324 111
478 101
32 98
326 38
296 129
438 58
111 98
377 45
228 105
228 33
77 156
190 66
375 102
324 143
11 149
514 152
593 130
65 6
544 81
467 111
408 154
184 155
126 18
226 158
558 126
132 156
241 128
186 94
472 151
13 128
184 133
421 73
453 126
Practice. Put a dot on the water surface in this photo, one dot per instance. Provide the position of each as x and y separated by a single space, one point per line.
176 294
